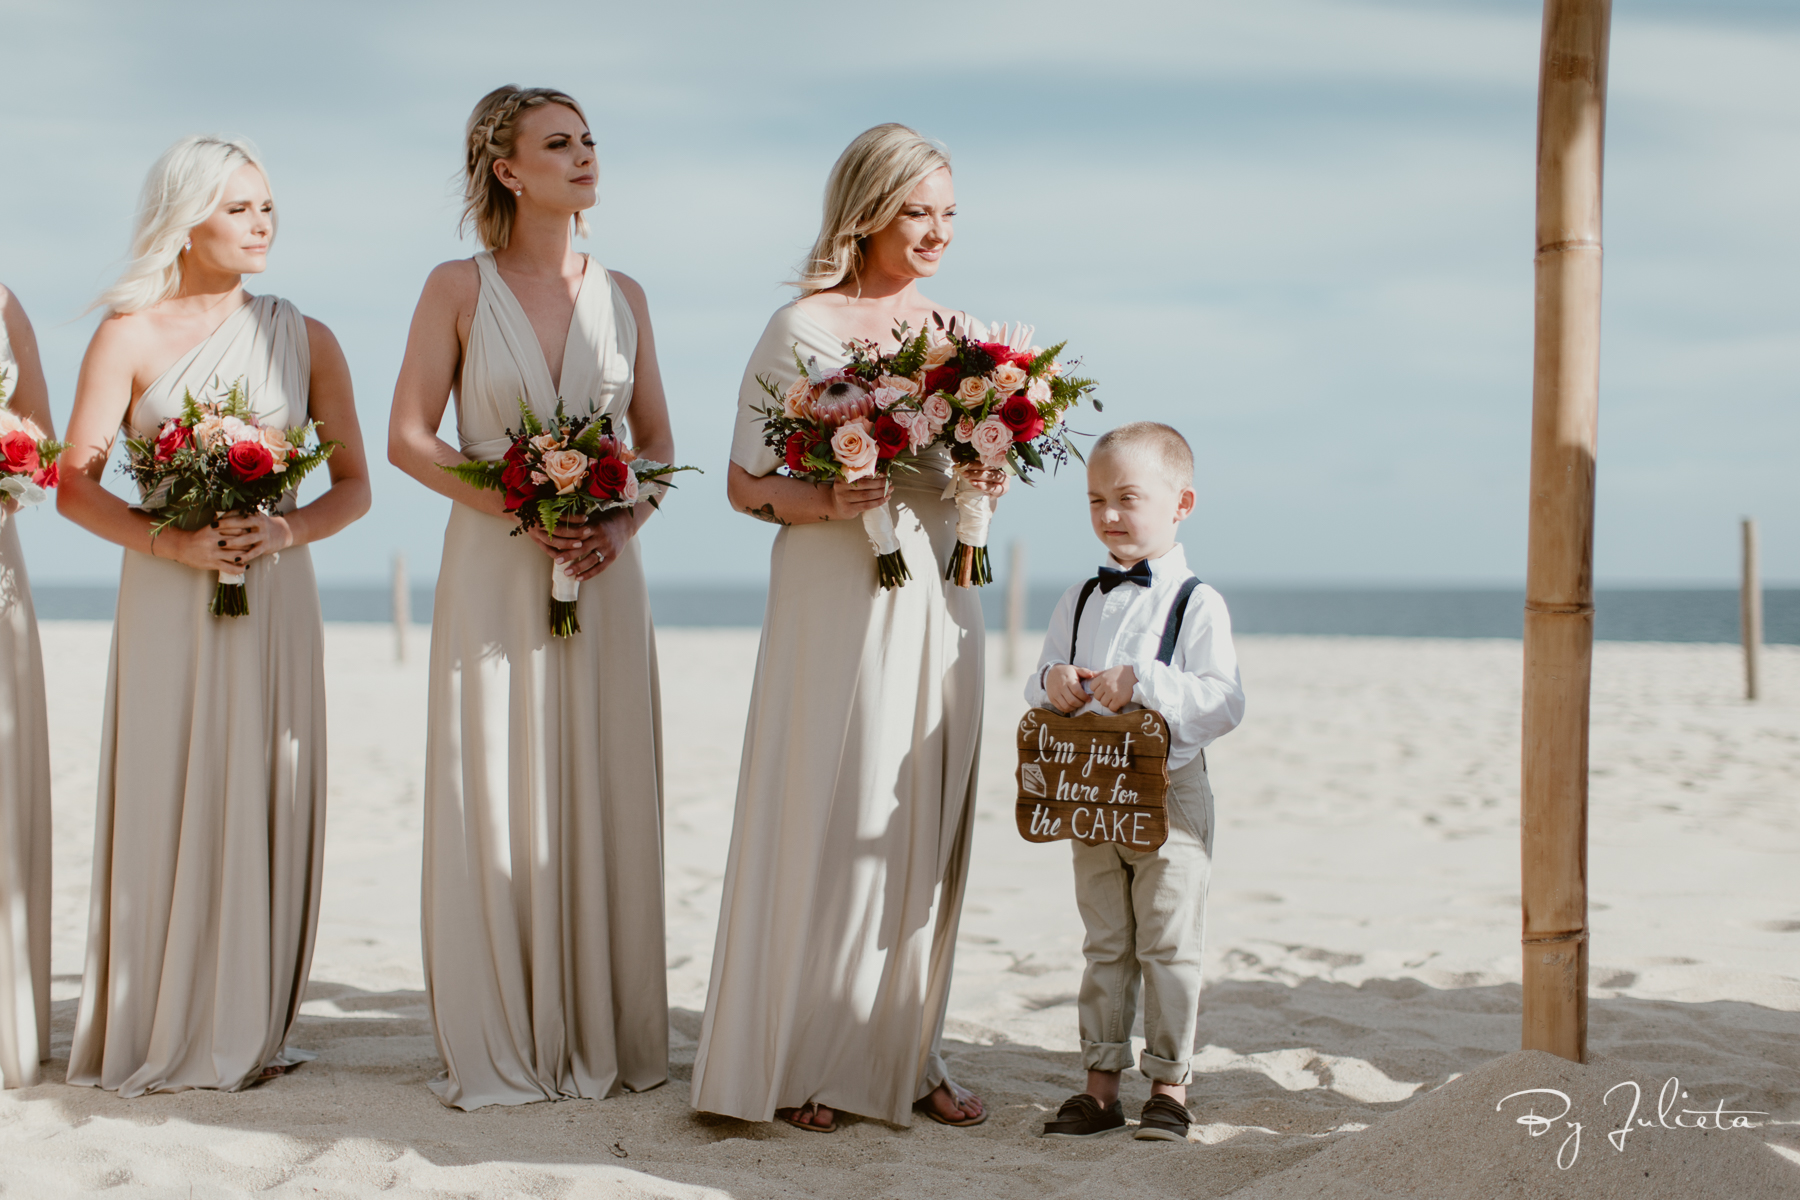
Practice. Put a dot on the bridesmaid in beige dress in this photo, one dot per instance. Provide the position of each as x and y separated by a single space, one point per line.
24 751
543 883
210 831
856 790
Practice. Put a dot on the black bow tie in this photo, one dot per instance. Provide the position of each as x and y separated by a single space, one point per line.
1111 577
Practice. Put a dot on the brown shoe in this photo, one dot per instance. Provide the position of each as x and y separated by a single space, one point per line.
1082 1117
1163 1120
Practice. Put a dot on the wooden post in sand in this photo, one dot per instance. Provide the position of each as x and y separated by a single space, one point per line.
402 608
1015 606
1559 587
1750 610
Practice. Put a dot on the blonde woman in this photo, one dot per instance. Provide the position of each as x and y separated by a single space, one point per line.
857 786
24 744
543 913
210 832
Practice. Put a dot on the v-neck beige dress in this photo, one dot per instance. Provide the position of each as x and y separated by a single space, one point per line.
24 810
209 837
543 884
855 803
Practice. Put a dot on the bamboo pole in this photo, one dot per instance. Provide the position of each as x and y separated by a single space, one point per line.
1750 611
1559 589
402 609
1015 607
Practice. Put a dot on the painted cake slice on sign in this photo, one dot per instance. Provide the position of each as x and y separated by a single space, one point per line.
1094 778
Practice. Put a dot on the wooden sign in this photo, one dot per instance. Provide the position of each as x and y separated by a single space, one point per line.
1094 778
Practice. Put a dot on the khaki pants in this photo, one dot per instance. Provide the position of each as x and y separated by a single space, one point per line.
1145 913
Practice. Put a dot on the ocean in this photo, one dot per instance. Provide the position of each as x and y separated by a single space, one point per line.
1621 614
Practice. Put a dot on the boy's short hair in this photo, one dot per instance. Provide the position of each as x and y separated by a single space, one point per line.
1161 443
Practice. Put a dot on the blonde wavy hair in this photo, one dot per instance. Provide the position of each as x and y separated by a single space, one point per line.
183 188
868 186
492 134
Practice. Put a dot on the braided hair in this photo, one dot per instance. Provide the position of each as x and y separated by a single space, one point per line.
487 205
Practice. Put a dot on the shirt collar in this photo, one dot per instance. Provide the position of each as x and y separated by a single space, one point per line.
1172 564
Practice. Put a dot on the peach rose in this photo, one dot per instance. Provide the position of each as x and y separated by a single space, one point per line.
901 384
938 353
276 443
991 439
937 411
209 432
565 469
855 448
971 389
547 442
1008 378
798 401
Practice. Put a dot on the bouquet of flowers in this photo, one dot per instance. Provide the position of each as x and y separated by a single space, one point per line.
216 459
565 469
864 419
27 457
1007 400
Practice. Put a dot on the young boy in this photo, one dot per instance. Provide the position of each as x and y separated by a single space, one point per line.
1143 633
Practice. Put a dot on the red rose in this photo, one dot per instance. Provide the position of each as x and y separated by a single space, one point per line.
174 438
943 379
799 445
49 477
517 452
607 478
515 477
249 460
18 451
890 436
1021 416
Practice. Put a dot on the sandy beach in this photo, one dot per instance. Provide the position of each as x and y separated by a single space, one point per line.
1361 1015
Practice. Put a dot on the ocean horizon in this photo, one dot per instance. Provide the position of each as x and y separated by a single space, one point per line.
1621 614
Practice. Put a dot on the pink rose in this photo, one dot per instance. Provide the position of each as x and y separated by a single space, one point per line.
1038 391
856 449
937 410
886 397
276 443
991 440
965 430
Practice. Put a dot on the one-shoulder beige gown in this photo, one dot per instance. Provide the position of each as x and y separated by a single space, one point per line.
24 811
210 832
855 804
543 882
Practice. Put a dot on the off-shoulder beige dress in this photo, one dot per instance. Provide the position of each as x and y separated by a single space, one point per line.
210 832
543 883
24 811
855 804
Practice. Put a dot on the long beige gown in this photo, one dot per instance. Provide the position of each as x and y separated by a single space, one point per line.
210 832
855 805
543 884
24 811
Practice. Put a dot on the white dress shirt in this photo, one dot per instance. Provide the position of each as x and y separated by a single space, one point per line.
1197 692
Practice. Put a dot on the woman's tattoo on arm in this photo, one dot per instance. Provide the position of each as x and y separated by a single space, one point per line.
765 513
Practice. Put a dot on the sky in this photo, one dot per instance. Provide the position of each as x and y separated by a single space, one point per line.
1298 230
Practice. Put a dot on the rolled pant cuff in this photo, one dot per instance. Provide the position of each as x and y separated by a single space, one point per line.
1163 1070
1105 1056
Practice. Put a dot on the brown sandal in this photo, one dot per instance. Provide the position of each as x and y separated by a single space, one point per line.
792 1117
925 1106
